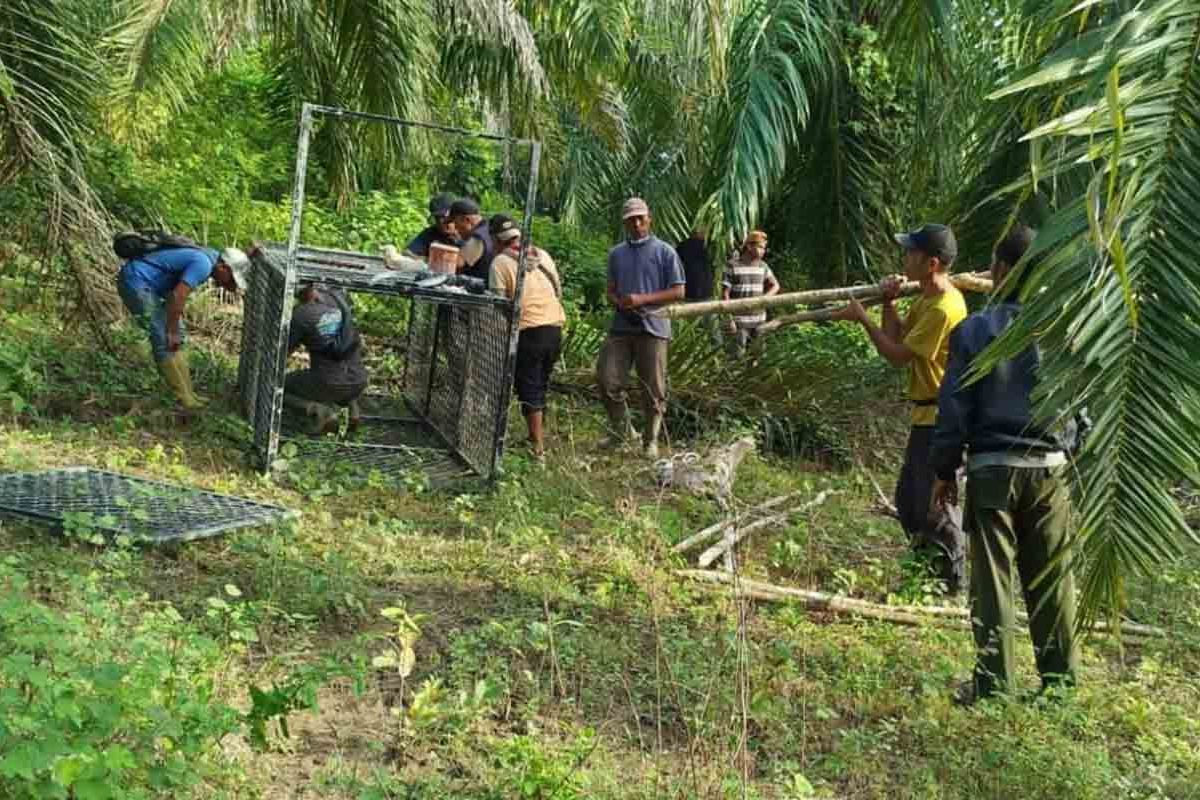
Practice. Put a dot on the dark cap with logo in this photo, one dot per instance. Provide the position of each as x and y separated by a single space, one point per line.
464 207
932 240
440 205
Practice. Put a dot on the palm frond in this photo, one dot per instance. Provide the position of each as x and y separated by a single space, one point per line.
161 47
1115 294
779 58
491 50
46 83
370 55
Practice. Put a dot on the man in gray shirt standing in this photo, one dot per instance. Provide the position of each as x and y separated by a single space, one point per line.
643 274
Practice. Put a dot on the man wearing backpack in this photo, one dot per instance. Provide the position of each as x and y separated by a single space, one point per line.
155 283
322 321
539 342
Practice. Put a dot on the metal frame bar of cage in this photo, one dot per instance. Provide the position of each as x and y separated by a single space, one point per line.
307 115
433 126
514 322
433 351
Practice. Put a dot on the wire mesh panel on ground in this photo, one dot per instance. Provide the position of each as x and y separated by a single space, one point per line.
458 351
448 418
106 502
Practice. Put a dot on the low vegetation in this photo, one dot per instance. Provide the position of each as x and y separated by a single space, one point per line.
529 642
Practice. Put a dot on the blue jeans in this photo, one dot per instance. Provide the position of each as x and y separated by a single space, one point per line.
150 311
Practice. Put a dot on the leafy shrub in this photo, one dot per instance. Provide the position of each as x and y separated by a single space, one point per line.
111 699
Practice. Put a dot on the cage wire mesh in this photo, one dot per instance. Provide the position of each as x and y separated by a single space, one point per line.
445 414
114 504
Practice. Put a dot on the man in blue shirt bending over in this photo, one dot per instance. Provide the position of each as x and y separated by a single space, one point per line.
155 288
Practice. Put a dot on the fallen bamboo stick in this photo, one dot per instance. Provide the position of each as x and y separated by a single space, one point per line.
967 282
889 508
908 615
718 527
735 535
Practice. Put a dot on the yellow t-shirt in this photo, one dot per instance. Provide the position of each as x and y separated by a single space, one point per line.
539 304
927 333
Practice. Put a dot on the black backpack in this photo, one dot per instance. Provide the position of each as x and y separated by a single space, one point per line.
137 244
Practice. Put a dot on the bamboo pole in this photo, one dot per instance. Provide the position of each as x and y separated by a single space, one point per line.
967 282
733 536
907 615
816 315
718 527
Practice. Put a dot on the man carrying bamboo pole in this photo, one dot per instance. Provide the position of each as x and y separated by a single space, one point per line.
643 274
1018 503
920 342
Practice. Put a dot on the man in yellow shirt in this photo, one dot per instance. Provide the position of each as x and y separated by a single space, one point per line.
921 342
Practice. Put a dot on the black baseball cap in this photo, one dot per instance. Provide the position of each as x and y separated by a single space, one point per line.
464 207
933 240
440 205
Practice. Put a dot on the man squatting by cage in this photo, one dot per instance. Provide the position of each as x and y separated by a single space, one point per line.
747 275
539 342
921 342
1018 503
323 322
643 274
155 288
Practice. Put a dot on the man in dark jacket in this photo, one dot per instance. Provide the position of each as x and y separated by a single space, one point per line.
440 231
323 323
697 268
478 248
1018 503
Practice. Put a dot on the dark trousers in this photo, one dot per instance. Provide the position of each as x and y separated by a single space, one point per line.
306 385
938 535
538 350
1018 520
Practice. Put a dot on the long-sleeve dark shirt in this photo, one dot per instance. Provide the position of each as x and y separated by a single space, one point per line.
992 415
313 325
696 269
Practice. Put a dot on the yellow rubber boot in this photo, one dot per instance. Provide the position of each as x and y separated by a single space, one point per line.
185 369
175 372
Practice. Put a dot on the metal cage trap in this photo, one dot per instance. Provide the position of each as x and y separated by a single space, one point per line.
113 504
445 415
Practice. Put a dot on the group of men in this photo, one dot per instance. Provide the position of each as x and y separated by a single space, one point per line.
644 274
489 249
457 223
155 287
1017 500
1017 503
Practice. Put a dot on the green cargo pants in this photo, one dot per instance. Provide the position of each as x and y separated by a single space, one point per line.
1018 517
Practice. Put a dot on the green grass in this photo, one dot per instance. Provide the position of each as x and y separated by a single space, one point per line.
555 653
